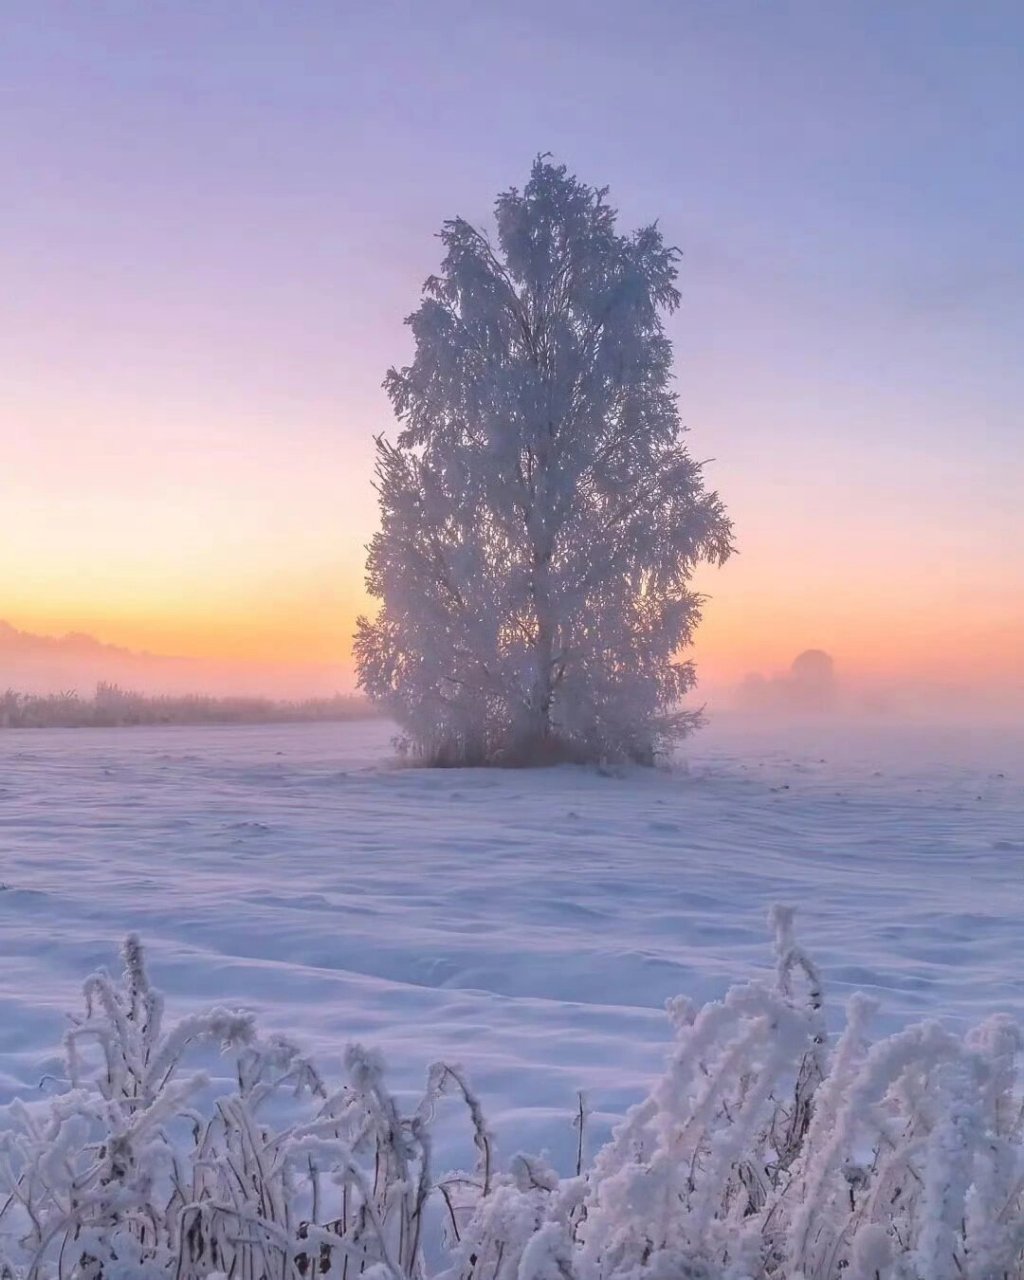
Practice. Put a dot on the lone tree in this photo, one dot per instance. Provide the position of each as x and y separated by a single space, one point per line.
540 518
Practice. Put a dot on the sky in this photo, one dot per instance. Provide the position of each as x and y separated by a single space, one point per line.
216 216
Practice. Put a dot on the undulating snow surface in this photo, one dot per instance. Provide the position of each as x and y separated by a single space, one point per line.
529 925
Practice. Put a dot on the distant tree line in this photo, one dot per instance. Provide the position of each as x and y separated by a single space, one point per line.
111 706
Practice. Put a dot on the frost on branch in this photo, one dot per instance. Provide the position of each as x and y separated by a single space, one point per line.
540 517
767 1151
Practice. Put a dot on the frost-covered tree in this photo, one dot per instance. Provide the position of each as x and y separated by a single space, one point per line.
540 517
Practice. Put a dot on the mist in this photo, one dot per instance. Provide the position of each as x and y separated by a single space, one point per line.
815 712
77 662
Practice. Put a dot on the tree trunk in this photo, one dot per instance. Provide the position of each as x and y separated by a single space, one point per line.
539 709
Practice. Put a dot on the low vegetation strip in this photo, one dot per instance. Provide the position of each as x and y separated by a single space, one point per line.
113 707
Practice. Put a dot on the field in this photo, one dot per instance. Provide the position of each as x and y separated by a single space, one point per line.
529 925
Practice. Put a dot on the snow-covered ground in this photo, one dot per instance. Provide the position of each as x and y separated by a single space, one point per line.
529 925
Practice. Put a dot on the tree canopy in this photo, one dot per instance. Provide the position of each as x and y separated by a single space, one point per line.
540 517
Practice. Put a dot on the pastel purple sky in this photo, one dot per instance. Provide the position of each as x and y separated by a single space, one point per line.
216 215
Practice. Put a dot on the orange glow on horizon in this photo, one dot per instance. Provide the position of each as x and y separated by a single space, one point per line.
254 555
739 634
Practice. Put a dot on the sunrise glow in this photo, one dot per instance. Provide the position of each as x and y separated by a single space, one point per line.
209 286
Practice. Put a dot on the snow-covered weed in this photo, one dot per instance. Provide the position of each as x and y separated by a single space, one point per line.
765 1151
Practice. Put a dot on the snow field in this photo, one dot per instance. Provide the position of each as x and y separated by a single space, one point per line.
530 925
525 927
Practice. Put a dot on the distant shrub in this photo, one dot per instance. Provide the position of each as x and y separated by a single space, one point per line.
111 707
765 1152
